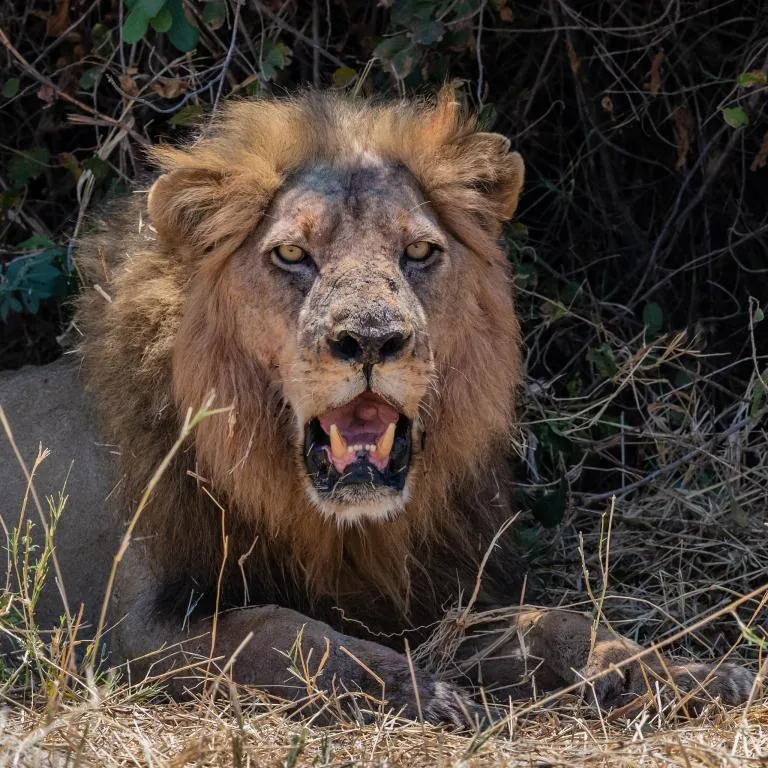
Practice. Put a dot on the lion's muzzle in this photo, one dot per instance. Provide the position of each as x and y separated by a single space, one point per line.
365 366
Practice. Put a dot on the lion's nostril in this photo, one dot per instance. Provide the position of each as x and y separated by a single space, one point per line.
368 348
393 346
346 347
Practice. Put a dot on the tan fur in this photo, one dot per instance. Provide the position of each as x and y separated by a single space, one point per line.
185 302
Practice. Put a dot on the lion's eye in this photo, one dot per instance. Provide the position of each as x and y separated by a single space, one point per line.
420 251
290 254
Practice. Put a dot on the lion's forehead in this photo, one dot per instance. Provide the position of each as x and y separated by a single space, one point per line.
325 203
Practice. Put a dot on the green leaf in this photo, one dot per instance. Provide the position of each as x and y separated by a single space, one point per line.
574 386
36 268
35 277
653 318
488 117
603 360
44 280
408 12
253 86
101 38
11 87
525 275
150 7
758 316
98 167
427 32
135 26
215 14
518 231
390 47
142 12
404 62
748 79
736 117
8 303
343 76
276 56
401 54
182 34
89 78
758 395
36 243
187 115
27 166
162 22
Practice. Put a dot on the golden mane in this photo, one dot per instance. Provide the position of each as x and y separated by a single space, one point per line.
145 372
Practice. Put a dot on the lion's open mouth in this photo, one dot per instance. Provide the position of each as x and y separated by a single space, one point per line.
365 442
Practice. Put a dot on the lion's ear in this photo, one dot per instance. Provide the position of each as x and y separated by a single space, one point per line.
498 173
183 205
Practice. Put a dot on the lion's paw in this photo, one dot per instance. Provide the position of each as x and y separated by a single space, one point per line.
620 682
438 702
407 690
449 704
730 683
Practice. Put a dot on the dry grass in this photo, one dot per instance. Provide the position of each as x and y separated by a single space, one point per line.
110 733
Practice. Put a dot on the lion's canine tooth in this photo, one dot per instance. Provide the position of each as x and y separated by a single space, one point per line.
385 442
338 443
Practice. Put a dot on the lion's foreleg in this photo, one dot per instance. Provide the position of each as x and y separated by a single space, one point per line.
539 651
274 649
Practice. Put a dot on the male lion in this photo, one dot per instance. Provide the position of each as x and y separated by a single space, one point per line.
329 267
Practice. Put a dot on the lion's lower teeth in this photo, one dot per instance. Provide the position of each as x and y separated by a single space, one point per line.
369 447
380 449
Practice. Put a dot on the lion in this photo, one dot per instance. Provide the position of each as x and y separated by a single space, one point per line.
329 267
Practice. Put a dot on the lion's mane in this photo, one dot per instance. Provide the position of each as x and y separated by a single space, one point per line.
158 256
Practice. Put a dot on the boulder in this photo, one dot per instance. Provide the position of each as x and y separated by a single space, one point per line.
47 407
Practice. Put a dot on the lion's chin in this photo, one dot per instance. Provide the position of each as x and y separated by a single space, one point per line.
357 458
352 513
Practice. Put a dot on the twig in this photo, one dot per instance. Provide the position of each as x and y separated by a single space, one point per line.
479 58
667 468
63 95
228 58
295 32
315 43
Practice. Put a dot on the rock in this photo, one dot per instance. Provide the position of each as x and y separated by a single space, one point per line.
47 406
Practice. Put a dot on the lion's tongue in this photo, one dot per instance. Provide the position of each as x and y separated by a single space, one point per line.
367 424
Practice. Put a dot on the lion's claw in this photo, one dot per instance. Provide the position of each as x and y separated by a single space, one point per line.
449 704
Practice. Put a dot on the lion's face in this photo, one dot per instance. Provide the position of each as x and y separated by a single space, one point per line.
338 281
358 264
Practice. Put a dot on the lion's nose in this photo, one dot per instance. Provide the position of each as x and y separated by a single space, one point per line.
371 347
